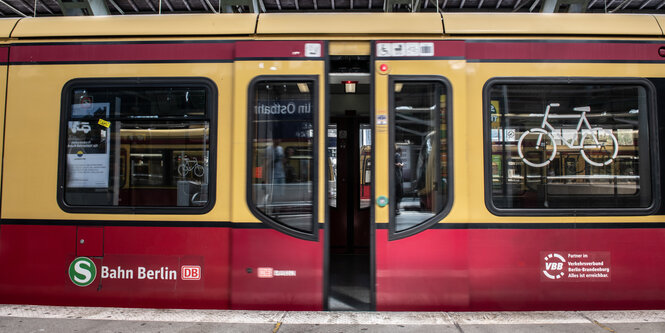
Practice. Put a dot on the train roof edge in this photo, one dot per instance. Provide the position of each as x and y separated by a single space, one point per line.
309 24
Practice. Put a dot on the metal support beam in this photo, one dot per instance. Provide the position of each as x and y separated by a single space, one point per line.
83 7
13 9
227 5
205 7
391 3
533 6
574 6
131 3
212 9
151 5
30 8
168 4
45 7
26 5
644 4
115 5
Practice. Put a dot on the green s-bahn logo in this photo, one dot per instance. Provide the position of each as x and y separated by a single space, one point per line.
82 271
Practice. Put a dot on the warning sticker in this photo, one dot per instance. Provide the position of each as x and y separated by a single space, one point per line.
579 266
104 123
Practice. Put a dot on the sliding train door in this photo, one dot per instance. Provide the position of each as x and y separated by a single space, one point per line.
416 83
279 178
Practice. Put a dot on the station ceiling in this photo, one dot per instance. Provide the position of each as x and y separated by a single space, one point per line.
29 8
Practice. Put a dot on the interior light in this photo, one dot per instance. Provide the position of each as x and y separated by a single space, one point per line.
398 87
303 87
350 86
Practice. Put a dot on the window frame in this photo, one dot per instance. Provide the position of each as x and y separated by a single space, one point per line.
128 82
651 135
393 234
279 226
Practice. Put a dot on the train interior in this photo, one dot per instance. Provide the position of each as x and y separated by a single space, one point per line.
349 186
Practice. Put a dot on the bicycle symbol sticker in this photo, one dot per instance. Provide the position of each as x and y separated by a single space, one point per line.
188 165
591 143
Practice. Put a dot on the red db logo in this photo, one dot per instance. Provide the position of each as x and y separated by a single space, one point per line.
265 272
190 272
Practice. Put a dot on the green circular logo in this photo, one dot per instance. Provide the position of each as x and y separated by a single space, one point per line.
382 201
82 271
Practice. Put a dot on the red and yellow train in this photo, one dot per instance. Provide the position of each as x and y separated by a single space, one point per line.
322 161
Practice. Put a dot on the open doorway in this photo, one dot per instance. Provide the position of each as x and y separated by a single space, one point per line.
349 150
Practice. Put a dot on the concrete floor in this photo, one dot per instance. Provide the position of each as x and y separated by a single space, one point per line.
27 318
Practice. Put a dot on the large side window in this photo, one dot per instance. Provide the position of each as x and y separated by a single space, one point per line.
282 153
137 144
421 176
573 146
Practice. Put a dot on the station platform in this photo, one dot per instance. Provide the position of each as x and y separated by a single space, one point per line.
28 318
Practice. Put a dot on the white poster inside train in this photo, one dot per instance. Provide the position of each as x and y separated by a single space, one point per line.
87 146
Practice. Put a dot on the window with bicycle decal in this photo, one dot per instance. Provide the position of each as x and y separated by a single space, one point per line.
570 144
137 144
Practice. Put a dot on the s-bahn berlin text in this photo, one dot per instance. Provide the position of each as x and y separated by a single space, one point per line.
142 273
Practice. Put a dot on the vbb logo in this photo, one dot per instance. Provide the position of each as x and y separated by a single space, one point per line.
190 272
554 266
82 271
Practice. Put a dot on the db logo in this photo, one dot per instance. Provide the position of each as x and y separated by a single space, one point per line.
554 266
264 272
190 272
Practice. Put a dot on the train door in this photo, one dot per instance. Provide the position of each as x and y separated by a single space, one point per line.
349 149
412 152
279 175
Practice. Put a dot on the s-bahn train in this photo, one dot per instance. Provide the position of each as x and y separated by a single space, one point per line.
322 161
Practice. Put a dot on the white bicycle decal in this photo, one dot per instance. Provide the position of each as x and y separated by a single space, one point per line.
546 129
188 165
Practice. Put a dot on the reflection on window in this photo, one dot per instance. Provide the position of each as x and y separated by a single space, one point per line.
420 161
137 146
332 165
569 146
282 135
365 139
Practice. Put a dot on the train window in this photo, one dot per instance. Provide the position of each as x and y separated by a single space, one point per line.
282 153
575 145
420 171
136 144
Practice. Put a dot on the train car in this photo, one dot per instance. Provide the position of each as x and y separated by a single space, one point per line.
332 161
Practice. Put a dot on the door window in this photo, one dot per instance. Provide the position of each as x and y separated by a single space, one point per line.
419 155
282 152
